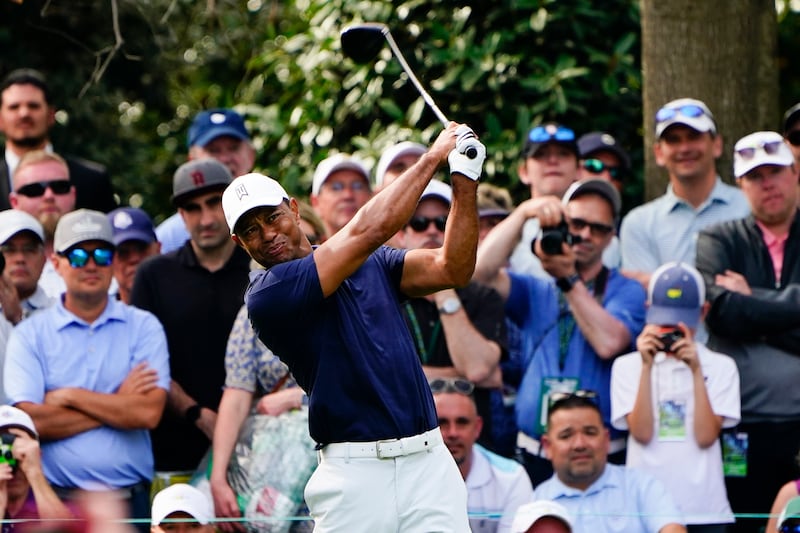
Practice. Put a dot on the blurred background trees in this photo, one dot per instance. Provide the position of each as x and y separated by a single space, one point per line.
498 65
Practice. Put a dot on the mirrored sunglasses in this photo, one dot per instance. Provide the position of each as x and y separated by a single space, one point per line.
595 166
420 224
689 111
461 386
79 257
749 152
35 190
541 134
791 527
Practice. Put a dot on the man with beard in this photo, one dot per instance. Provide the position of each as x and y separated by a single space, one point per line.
196 292
43 189
575 323
600 497
495 484
27 114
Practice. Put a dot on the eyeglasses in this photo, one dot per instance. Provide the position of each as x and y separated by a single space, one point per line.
541 134
583 394
770 148
461 386
35 190
26 249
689 110
595 166
420 224
790 527
79 257
338 186
596 228
793 137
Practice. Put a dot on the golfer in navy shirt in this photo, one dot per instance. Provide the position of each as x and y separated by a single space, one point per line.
332 313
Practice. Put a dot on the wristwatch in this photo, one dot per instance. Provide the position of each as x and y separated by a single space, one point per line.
450 306
566 284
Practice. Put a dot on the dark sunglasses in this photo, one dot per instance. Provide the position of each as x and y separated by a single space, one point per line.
771 148
420 224
792 527
556 397
596 228
541 134
461 386
595 166
35 190
79 257
793 137
690 111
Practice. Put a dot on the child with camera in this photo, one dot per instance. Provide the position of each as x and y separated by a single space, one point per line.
675 395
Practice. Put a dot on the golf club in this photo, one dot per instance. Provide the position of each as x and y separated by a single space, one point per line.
362 42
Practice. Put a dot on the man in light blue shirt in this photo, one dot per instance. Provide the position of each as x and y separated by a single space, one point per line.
91 372
665 229
600 497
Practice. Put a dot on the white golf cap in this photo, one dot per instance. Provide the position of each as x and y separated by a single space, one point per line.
760 148
248 192
185 498
529 513
438 189
395 152
687 111
12 417
12 221
335 163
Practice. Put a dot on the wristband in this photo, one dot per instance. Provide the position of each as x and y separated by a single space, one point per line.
566 284
192 414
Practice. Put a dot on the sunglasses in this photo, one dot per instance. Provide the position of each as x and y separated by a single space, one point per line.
35 190
420 224
541 134
770 148
79 257
596 228
793 137
690 111
792 527
461 386
556 397
595 166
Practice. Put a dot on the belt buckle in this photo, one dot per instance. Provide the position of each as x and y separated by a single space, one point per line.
378 452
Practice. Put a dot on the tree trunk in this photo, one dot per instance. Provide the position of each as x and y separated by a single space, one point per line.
720 51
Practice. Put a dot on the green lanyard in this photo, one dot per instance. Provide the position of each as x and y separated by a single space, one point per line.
424 352
566 322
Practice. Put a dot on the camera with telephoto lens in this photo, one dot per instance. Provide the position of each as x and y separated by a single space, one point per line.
553 237
669 338
6 455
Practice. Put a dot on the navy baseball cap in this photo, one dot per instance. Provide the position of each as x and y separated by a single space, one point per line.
131 224
676 294
598 141
208 125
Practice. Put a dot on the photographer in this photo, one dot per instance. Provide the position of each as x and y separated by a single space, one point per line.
574 324
24 491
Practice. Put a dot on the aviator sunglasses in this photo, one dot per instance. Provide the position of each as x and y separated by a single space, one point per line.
580 393
420 224
79 257
595 166
461 386
770 148
541 134
689 110
35 190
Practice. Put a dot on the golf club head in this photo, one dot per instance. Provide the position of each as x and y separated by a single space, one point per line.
363 42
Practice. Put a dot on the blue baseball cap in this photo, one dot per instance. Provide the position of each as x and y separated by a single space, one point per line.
131 224
208 125
676 294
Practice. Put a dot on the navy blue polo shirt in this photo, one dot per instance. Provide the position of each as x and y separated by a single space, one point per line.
351 352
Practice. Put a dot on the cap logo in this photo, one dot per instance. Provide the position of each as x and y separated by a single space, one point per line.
217 118
86 226
607 139
674 293
551 129
122 220
198 178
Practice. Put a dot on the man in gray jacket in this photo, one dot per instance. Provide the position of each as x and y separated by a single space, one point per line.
751 269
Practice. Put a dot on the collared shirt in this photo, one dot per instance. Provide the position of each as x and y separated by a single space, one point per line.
495 486
665 229
622 500
53 349
775 245
12 161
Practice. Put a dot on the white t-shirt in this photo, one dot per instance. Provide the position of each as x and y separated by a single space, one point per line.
693 475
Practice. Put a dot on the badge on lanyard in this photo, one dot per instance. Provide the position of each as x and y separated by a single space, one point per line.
734 454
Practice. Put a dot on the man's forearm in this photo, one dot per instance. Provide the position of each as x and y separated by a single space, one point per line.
54 423
48 504
122 411
233 409
496 249
461 233
606 334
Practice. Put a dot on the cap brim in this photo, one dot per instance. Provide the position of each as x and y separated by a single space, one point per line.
133 235
245 208
740 168
702 124
671 316
212 134
492 213
179 200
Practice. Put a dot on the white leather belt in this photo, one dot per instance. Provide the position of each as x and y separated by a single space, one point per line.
534 447
384 449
